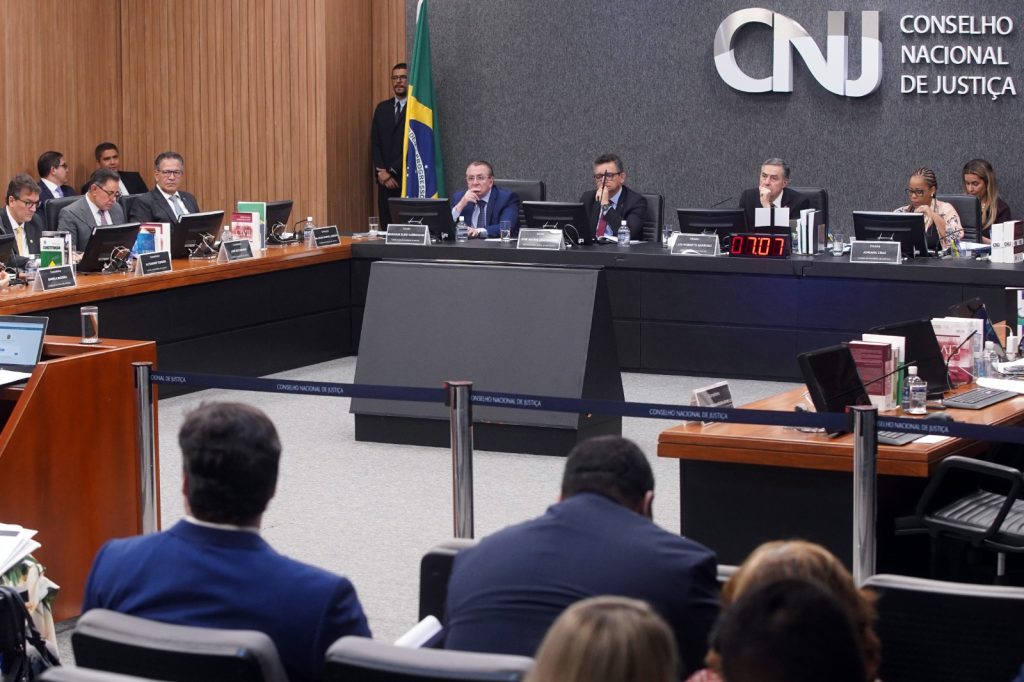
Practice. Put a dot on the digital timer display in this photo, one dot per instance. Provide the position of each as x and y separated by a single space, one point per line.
753 245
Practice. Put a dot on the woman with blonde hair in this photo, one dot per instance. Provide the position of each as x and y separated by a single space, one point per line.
612 639
980 181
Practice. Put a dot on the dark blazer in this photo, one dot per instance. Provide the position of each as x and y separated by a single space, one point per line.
45 194
133 182
77 219
501 205
632 208
33 231
505 592
386 138
209 577
151 207
751 199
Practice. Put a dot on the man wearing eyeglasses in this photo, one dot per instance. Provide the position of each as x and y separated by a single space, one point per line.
613 202
483 204
20 217
386 137
98 207
166 203
772 191
53 177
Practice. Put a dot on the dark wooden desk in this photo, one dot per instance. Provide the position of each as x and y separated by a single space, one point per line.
742 484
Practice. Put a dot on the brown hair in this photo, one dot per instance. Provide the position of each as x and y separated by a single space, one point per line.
613 639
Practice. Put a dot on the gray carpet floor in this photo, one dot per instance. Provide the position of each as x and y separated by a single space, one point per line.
369 510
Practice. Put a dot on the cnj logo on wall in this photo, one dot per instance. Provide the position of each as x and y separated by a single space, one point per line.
829 69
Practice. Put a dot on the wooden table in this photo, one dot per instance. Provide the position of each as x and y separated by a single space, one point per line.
743 484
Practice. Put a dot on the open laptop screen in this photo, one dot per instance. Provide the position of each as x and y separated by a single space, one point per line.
21 341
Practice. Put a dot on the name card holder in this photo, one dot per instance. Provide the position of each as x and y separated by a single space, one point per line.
51 279
238 249
875 252
408 234
326 236
694 244
540 239
153 263
713 395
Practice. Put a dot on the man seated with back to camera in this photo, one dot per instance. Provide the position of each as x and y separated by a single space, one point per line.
98 206
599 539
772 191
213 569
166 203
483 204
613 202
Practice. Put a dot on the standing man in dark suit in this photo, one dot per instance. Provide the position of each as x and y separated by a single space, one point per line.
213 569
53 177
772 192
98 207
386 141
166 203
22 218
109 156
483 204
600 539
613 202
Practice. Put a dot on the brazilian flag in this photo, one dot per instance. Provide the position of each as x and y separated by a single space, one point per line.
421 150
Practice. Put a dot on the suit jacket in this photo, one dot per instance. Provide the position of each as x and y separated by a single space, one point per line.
501 205
151 207
751 199
632 208
77 219
505 592
386 137
45 194
133 182
211 577
33 230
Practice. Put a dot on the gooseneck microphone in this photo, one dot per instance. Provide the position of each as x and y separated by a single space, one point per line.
721 202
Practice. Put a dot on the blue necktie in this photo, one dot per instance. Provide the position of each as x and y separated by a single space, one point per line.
481 215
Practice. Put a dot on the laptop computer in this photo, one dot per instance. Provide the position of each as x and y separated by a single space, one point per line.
21 346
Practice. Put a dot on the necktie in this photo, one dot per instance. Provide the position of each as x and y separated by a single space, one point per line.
481 214
58 193
103 218
602 225
19 238
178 208
398 110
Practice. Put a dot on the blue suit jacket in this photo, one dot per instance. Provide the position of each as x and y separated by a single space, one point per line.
209 577
501 205
505 592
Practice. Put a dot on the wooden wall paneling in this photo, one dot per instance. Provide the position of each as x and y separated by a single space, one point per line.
388 33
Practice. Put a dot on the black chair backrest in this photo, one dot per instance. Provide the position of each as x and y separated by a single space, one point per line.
115 642
54 207
435 569
526 190
357 659
655 217
71 673
126 202
817 197
934 630
969 210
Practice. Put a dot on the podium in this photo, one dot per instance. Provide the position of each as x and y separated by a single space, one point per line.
68 456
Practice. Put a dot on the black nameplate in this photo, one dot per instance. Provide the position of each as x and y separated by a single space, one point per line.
326 236
152 263
548 240
60 277
407 234
238 249
875 252
694 244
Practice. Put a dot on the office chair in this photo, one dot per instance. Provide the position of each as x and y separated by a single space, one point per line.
969 210
70 673
817 197
526 190
435 569
357 659
51 212
655 217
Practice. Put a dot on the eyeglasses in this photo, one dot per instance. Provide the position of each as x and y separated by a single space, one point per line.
171 173
62 165
399 78
478 178
28 204
913 192
608 174
116 194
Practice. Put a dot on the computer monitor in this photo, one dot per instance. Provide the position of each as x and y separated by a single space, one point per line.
109 245
720 221
923 350
436 214
832 379
569 217
6 249
278 213
195 234
905 228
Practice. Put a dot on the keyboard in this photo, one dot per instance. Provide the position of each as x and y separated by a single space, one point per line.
978 398
896 437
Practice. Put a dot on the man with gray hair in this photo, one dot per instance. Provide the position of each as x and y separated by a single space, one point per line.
97 207
772 191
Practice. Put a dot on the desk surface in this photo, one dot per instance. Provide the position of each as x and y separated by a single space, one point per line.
779 446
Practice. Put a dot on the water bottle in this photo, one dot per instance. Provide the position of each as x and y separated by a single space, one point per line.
623 234
226 236
462 230
31 267
991 358
307 232
918 391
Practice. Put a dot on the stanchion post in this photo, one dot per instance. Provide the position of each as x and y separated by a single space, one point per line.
146 440
865 491
459 399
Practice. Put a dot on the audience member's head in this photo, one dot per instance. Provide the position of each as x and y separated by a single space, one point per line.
805 560
613 467
51 165
788 630
613 639
230 454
